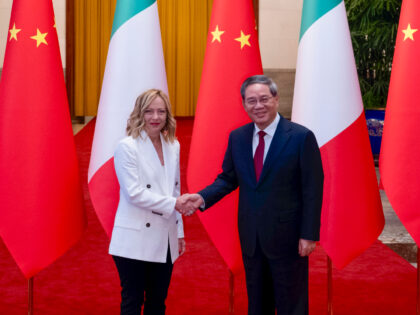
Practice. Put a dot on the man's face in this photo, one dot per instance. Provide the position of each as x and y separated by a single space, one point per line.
260 105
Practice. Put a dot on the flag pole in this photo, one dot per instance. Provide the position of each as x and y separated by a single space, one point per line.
330 286
418 282
31 296
231 294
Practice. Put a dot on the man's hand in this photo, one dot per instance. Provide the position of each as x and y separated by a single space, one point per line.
187 204
183 205
306 247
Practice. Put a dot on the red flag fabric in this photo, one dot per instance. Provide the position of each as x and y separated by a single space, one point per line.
41 213
232 55
400 149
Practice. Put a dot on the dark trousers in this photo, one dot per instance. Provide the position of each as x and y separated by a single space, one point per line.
280 284
143 282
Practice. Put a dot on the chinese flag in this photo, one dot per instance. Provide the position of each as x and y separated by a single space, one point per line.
41 212
400 148
232 55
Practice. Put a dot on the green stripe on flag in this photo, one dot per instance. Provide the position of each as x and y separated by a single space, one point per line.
126 9
313 10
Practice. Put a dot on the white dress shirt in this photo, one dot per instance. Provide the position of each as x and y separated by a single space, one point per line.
270 130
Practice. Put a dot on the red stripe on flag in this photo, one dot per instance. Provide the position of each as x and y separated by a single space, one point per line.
352 216
104 193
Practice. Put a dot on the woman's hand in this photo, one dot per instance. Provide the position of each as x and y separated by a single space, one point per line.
187 204
181 246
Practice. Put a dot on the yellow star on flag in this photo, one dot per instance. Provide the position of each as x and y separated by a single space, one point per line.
55 23
408 32
217 34
13 32
40 38
244 40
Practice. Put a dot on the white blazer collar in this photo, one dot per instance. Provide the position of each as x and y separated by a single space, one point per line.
169 157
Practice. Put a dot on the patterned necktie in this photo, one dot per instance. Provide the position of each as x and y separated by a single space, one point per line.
259 155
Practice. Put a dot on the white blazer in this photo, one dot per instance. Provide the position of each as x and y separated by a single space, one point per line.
146 220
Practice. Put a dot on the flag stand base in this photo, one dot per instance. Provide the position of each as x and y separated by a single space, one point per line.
31 296
330 287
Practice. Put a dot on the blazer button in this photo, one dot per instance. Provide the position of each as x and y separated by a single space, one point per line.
176 222
148 186
176 183
147 224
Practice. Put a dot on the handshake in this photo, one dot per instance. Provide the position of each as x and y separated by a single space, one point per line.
187 204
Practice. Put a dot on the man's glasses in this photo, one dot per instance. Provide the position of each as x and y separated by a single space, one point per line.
263 100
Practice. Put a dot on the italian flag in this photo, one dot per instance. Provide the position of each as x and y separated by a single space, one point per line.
327 100
134 64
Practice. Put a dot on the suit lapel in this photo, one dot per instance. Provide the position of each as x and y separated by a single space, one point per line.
149 155
246 151
280 139
148 152
170 160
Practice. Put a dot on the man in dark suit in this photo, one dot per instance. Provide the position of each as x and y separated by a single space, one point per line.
277 166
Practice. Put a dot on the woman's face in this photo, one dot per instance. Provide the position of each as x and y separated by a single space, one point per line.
155 117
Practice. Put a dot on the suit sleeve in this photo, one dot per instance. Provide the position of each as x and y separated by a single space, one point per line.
225 183
125 161
312 180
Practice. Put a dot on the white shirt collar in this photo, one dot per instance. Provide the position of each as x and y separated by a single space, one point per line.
270 129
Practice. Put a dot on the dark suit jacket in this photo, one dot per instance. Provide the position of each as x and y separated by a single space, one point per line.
285 204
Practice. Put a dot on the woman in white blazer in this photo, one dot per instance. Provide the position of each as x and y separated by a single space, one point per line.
148 233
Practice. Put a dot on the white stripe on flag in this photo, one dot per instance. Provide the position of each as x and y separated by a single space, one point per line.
327 96
134 64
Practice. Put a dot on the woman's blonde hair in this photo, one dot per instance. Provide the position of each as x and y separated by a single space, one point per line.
136 123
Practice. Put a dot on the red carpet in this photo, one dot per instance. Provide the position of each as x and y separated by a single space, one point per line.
85 281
